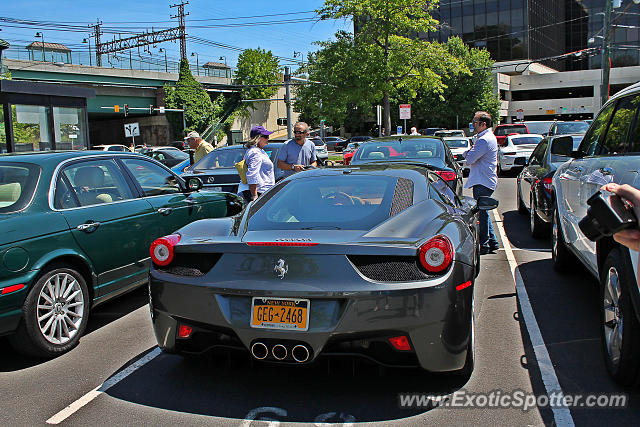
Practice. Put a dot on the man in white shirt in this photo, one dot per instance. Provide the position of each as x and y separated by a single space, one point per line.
414 131
483 179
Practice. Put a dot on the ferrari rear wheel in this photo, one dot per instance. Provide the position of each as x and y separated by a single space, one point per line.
522 210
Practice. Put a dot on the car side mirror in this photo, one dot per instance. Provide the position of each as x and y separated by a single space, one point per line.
487 203
193 184
576 154
562 146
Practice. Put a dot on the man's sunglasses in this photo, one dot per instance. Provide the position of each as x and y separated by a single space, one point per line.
299 132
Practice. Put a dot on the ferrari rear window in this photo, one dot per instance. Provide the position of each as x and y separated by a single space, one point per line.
17 184
330 202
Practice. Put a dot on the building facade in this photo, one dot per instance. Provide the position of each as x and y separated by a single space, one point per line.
533 29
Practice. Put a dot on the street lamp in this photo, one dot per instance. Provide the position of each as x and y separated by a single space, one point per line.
166 65
296 54
197 62
225 59
41 35
88 41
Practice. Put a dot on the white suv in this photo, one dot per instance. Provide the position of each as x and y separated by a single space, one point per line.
609 152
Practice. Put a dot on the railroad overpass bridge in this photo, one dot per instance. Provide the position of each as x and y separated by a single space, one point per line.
136 88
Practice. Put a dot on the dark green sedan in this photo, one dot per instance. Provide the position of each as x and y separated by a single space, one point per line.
75 231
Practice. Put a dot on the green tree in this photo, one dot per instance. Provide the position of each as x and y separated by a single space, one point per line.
200 111
464 93
388 48
257 69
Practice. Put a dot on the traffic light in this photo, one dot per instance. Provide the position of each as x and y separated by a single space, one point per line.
282 121
126 110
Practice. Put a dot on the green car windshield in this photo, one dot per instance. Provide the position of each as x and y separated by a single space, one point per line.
327 203
17 184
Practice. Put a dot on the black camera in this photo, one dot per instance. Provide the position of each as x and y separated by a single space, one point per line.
607 214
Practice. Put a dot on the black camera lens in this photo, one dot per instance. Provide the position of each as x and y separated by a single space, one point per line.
590 227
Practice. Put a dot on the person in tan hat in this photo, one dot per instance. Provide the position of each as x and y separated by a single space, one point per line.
201 147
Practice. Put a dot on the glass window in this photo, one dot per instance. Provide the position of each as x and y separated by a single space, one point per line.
154 179
616 139
634 136
418 148
3 132
520 140
596 131
94 182
537 157
17 184
31 127
457 143
314 203
70 128
220 159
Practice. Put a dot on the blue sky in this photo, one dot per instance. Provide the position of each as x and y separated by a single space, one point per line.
282 39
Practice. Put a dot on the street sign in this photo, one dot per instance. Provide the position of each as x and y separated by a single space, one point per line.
520 114
116 108
131 130
399 129
161 110
405 111
379 115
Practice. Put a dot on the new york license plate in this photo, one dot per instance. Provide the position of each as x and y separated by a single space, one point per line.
280 313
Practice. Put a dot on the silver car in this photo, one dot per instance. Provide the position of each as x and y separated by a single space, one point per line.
376 262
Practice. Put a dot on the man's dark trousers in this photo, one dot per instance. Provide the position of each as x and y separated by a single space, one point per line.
486 236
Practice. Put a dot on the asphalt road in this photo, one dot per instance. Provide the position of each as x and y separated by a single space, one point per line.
171 390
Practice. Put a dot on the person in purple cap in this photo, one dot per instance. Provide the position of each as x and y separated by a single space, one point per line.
260 175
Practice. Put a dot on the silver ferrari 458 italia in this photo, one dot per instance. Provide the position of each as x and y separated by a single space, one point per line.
370 261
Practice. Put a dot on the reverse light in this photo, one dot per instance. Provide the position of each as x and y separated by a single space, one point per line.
184 331
12 288
400 343
547 184
447 175
436 254
161 249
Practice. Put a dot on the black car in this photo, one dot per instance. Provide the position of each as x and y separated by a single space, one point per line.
217 169
167 156
534 190
334 143
429 131
431 151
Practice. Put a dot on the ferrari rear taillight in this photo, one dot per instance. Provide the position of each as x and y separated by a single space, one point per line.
184 331
436 254
162 249
447 175
400 343
547 184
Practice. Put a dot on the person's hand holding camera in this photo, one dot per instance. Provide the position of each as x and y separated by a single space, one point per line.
630 237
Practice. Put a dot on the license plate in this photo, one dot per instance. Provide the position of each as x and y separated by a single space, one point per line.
280 313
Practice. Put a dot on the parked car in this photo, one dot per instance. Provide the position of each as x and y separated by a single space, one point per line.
349 151
565 128
217 169
516 151
501 131
609 152
430 151
394 235
445 133
334 142
357 138
182 166
534 192
429 131
321 150
538 127
113 147
76 232
458 145
168 156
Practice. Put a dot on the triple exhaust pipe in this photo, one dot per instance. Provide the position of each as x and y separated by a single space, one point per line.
300 353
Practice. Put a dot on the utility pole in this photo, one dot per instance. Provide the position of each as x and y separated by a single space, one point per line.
97 32
606 59
287 97
181 28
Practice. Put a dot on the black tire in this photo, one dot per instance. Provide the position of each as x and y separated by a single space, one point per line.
537 227
619 327
522 209
561 257
499 171
29 338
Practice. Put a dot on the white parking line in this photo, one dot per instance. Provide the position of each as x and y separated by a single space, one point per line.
562 415
75 406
